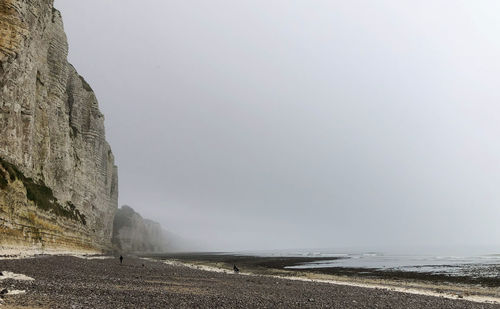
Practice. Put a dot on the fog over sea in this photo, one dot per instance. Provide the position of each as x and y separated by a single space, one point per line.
278 124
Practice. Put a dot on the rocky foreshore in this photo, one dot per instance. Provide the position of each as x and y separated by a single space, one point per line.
76 282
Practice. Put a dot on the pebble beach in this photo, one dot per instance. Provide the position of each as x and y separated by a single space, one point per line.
75 282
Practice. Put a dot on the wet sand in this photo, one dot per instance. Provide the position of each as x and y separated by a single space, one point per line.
72 282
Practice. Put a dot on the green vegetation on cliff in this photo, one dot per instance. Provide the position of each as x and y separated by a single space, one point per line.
38 193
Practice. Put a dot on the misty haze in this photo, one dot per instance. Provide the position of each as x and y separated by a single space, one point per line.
270 125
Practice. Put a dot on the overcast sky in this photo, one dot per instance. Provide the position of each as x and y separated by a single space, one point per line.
288 124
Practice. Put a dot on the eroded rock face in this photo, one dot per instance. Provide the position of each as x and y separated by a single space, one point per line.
52 133
132 233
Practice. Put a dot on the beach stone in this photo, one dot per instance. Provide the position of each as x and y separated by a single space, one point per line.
63 281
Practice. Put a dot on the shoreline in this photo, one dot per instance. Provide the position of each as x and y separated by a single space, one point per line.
421 284
428 291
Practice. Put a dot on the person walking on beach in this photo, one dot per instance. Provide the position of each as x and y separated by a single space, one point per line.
121 259
236 269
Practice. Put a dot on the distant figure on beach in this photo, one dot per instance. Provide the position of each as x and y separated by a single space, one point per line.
121 259
236 269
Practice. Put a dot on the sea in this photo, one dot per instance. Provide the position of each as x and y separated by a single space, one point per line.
476 265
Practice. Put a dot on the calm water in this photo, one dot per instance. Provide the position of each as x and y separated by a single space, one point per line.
478 265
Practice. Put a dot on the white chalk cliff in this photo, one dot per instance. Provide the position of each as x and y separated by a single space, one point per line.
58 181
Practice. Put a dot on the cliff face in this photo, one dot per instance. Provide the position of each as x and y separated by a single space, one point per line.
58 181
132 233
